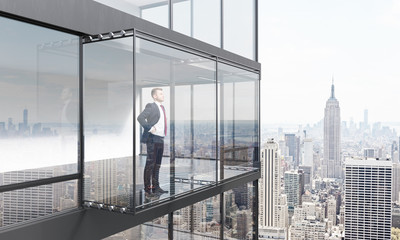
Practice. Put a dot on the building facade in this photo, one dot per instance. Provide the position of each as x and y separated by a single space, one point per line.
368 196
269 184
332 166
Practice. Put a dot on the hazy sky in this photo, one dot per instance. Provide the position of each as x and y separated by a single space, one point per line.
302 43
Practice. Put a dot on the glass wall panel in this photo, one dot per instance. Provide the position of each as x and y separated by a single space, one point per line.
200 19
108 119
154 230
35 202
239 27
199 221
155 11
38 101
239 117
239 212
189 98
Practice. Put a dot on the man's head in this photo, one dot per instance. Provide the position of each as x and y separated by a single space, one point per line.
157 94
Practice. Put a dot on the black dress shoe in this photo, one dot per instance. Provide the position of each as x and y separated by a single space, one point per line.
159 190
148 192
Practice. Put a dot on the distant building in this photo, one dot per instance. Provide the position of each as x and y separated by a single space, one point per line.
331 167
369 152
272 233
308 152
293 144
331 209
294 187
396 183
368 199
269 184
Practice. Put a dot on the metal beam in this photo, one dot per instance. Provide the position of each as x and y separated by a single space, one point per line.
87 17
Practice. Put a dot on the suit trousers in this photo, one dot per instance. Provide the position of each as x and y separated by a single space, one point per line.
155 150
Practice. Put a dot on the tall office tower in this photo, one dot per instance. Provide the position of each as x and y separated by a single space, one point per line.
28 203
308 152
269 184
293 188
368 188
293 143
332 166
396 183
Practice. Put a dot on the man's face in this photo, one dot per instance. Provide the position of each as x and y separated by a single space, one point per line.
159 96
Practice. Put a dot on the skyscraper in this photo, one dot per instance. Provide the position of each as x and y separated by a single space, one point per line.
331 167
269 184
368 186
293 143
294 184
28 203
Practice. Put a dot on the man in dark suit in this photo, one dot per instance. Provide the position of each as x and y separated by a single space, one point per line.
154 122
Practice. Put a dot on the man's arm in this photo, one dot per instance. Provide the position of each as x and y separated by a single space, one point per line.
143 117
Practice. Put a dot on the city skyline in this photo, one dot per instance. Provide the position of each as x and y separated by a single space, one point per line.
302 44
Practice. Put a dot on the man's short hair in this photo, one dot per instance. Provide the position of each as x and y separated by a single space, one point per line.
154 90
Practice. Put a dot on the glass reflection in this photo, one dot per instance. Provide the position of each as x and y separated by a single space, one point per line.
200 19
201 220
239 212
155 11
108 112
239 117
239 27
39 100
189 150
35 202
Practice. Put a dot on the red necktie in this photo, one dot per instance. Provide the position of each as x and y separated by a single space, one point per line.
165 120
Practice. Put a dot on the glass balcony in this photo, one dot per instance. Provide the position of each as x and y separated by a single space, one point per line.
72 127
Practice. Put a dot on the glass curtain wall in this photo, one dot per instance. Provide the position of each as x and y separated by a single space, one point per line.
239 27
201 220
238 120
200 19
188 144
239 212
173 154
35 202
108 121
39 102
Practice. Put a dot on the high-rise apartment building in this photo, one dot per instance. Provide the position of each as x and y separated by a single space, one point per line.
368 188
269 184
332 167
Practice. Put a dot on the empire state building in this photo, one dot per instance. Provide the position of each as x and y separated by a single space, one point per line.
331 167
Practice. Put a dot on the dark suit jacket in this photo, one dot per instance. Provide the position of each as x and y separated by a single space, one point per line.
147 119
